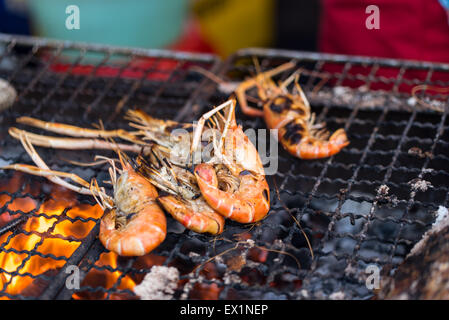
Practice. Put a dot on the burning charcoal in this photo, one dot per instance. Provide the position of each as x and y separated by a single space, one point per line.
7 95
236 263
425 272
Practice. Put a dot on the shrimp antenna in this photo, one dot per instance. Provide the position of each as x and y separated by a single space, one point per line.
257 65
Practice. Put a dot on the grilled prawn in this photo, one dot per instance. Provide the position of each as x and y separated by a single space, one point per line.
133 224
233 182
290 114
184 202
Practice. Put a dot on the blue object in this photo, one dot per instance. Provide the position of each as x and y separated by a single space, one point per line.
11 21
135 23
445 4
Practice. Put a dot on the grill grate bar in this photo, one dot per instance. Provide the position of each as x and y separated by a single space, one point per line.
440 131
107 89
39 75
59 281
60 84
136 85
89 77
61 80
24 62
342 195
368 220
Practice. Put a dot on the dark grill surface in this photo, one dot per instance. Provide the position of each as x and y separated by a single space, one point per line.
348 221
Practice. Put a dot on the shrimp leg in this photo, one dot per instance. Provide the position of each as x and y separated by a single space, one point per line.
74 131
44 171
133 224
71 143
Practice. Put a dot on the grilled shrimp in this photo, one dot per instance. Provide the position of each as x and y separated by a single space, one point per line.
133 224
233 182
297 131
184 202
290 115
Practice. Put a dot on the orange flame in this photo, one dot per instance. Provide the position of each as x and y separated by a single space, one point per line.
52 232
45 232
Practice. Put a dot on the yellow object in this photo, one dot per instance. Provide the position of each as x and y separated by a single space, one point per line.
229 25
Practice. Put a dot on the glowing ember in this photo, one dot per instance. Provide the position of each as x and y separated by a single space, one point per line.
102 277
49 232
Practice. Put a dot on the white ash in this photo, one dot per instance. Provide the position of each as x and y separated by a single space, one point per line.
442 218
231 278
343 94
278 243
339 91
193 254
441 221
371 101
304 293
383 190
189 286
420 185
339 295
185 291
250 243
432 104
252 264
382 194
411 101
219 259
7 95
159 284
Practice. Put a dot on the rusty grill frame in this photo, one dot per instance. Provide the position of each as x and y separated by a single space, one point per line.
320 194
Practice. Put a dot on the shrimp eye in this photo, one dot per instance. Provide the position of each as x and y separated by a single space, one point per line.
130 216
279 104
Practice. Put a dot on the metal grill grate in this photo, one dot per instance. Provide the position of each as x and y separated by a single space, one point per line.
349 223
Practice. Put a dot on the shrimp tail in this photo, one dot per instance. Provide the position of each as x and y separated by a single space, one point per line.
198 217
311 148
143 232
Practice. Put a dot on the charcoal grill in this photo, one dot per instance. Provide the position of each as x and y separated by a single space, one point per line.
349 219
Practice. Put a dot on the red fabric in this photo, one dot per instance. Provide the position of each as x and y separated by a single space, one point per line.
409 29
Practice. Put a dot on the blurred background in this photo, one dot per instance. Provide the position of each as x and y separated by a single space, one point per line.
412 29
